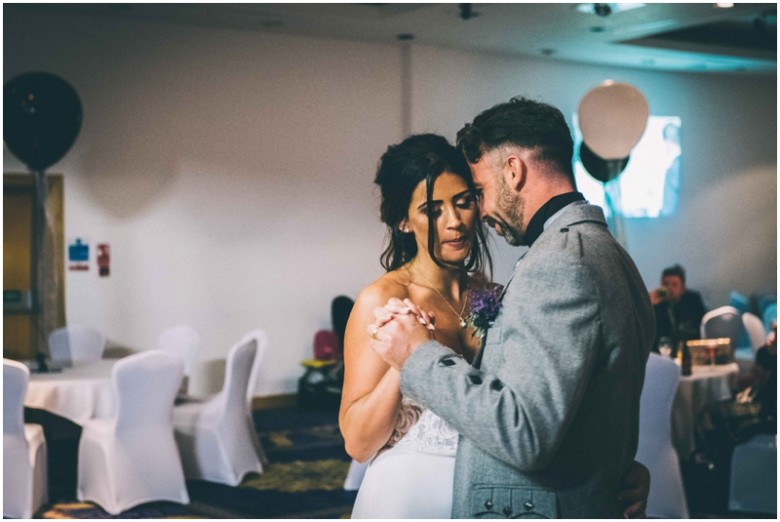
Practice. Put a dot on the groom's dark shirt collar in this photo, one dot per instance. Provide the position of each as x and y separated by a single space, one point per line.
556 203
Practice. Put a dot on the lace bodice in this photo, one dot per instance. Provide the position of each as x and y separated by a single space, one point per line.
419 429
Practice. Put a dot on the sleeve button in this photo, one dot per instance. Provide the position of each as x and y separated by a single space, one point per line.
528 505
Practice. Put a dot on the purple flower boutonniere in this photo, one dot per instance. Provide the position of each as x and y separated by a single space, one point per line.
484 305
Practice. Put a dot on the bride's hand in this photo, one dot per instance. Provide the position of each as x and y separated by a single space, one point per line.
395 307
426 318
399 336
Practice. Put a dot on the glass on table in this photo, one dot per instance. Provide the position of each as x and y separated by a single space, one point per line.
712 350
665 346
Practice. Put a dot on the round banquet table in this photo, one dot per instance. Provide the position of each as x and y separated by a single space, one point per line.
705 385
78 393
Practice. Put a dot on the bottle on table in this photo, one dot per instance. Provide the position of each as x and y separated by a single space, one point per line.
686 358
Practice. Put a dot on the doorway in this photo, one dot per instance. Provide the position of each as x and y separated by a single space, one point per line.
22 323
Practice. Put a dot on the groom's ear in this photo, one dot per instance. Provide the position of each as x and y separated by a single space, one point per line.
515 172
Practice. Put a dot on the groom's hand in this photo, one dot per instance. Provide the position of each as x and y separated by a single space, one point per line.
399 330
635 487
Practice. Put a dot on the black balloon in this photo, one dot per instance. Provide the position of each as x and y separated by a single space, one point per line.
600 168
41 118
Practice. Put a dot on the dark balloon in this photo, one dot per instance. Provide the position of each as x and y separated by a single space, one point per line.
601 169
41 118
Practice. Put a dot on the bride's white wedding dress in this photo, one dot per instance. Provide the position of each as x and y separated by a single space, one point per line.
411 477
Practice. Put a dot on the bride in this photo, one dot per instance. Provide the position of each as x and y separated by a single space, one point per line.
435 258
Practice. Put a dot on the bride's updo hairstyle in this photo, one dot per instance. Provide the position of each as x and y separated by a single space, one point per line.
401 168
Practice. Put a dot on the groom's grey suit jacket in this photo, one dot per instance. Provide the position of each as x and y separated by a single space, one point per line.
549 412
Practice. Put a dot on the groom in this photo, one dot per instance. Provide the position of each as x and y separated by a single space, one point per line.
549 412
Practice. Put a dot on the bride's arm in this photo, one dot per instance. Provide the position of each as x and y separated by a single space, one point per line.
371 395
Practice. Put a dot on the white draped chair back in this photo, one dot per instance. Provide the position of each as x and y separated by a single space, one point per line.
214 437
15 378
655 450
724 321
76 343
755 330
131 458
25 486
261 337
182 341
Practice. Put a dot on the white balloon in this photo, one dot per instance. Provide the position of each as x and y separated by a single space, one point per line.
613 117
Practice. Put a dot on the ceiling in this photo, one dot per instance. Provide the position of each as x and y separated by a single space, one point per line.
696 37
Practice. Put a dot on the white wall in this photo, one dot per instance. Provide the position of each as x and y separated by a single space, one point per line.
231 172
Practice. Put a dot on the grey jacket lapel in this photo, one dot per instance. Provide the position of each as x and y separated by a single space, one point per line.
574 214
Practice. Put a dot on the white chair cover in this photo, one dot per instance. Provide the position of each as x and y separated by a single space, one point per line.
214 437
655 450
76 343
753 481
131 458
755 330
261 337
184 342
25 486
355 475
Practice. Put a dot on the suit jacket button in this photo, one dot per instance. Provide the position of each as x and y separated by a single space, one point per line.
488 504
528 505
507 511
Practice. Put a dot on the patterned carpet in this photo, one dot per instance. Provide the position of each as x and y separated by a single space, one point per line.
304 477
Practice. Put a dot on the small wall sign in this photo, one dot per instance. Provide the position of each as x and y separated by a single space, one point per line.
78 254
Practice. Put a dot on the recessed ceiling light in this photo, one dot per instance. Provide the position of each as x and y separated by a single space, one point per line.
600 9
725 5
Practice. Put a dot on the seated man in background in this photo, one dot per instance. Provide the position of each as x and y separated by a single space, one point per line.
678 310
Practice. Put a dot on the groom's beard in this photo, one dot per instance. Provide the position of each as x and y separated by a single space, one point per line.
513 207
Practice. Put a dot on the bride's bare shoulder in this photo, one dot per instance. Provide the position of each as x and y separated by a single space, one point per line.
391 284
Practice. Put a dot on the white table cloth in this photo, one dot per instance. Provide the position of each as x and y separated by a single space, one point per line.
705 385
78 393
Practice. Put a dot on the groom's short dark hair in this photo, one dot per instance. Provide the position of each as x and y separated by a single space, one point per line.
522 122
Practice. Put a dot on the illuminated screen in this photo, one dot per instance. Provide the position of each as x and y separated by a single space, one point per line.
650 183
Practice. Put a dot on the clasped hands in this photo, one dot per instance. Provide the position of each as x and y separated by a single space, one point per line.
400 327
